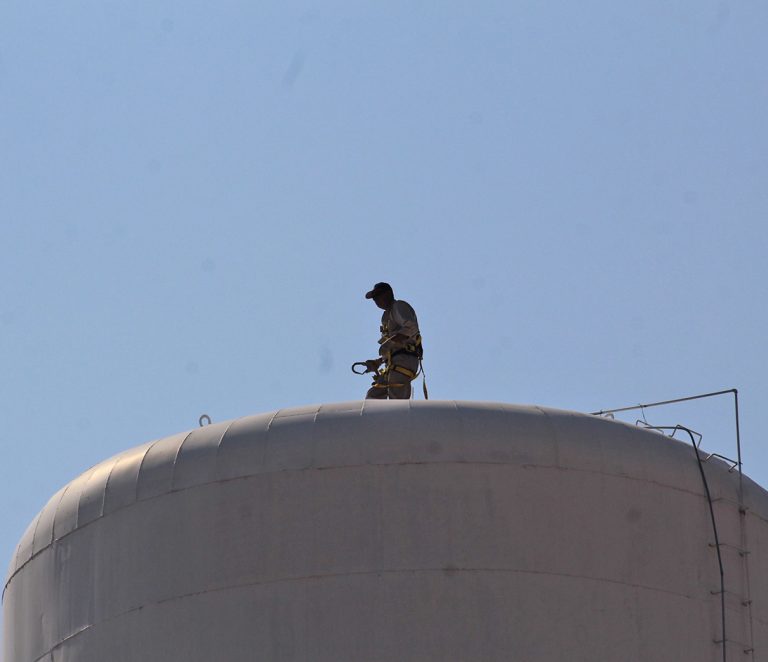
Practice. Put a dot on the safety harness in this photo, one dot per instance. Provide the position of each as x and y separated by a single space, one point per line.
380 380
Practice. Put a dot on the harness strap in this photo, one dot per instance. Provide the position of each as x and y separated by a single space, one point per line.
407 352
414 348
404 371
393 368
387 385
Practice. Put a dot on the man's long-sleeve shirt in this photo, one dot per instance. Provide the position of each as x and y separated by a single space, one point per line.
400 319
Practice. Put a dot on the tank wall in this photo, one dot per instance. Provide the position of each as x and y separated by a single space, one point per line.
504 534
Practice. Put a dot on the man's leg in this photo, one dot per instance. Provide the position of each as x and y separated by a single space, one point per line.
399 386
379 389
400 383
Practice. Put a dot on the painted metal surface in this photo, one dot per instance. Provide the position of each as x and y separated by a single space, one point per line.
408 530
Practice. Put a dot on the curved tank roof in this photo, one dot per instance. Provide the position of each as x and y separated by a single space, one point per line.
366 433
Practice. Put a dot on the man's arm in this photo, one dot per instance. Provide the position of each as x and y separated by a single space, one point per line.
406 323
373 364
403 328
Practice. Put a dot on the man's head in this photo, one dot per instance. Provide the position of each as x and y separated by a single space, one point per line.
382 295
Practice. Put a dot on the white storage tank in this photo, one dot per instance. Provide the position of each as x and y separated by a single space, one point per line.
395 531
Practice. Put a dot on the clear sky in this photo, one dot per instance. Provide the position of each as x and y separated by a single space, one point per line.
194 198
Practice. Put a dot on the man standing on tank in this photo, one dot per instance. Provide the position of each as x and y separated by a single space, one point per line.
399 347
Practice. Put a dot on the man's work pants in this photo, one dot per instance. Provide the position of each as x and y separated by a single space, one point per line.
394 385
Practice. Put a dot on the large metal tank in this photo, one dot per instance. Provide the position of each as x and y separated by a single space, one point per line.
395 531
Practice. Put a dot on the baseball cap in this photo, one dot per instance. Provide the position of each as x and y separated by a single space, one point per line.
379 288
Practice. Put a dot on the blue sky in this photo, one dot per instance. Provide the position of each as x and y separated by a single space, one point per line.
194 198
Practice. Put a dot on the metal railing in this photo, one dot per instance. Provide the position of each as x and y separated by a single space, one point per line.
735 393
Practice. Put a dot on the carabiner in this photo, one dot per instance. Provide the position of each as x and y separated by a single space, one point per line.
362 363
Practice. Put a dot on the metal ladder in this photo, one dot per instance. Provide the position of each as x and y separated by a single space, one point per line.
729 528
735 598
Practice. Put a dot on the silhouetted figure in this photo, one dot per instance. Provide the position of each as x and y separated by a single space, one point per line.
399 347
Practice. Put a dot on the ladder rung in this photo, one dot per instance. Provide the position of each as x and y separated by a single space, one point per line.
746 647
740 550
